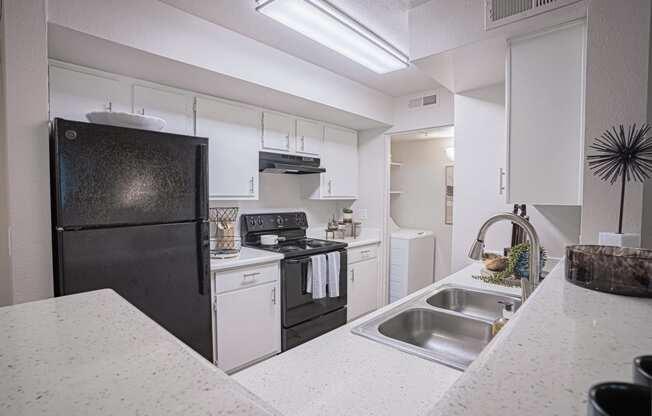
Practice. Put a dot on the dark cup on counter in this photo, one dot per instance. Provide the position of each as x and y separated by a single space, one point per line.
643 370
620 399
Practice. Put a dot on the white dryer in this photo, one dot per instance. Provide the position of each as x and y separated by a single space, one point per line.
412 261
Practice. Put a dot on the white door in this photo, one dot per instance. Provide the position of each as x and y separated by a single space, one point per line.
277 132
363 288
340 158
309 138
173 107
233 132
75 93
248 325
545 110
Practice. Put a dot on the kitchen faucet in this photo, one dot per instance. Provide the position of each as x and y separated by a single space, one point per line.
534 266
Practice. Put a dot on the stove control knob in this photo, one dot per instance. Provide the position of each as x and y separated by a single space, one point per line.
279 220
252 221
260 221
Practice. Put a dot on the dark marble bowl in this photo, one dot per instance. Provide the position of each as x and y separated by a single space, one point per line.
617 270
619 399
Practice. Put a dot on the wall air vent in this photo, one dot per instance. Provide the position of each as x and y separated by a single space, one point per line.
422 101
501 12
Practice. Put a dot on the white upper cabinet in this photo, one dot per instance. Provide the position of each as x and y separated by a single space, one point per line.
545 116
233 132
340 159
278 130
309 138
74 93
173 107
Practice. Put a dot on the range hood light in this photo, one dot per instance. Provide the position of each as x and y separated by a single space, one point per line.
324 23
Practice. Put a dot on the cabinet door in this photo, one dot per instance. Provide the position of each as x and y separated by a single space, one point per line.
309 138
173 107
233 132
363 288
545 90
277 131
248 325
75 93
340 158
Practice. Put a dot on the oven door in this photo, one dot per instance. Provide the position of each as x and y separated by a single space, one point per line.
298 305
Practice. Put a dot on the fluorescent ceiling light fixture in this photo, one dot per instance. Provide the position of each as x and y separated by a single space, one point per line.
324 23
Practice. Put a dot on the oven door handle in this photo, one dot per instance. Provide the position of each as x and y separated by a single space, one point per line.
294 261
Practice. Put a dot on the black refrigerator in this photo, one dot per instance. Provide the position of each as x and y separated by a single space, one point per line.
130 213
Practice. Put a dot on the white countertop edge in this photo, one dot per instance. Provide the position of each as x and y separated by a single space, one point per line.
248 257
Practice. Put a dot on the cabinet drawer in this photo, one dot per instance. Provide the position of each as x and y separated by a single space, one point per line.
363 253
245 277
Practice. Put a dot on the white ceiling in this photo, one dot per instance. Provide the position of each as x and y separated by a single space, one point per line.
388 18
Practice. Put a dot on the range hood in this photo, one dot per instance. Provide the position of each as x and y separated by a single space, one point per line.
288 164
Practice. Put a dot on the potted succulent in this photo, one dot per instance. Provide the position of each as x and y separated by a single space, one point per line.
623 156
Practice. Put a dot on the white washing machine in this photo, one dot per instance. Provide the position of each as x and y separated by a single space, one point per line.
412 261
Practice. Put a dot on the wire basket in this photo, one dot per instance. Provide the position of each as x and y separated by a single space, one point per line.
224 241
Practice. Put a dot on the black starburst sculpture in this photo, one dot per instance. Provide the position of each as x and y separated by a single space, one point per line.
625 156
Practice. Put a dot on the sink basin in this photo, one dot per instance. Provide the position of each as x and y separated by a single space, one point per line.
451 338
477 303
450 325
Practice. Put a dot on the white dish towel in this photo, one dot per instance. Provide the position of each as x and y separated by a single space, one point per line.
333 274
317 276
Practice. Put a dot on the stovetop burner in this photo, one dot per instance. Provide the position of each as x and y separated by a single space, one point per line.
302 246
290 226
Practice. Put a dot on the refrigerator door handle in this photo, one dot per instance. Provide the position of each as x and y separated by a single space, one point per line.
204 256
202 165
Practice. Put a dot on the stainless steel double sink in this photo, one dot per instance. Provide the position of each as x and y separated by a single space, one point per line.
451 324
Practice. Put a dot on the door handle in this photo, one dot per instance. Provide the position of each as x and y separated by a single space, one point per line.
352 275
274 296
501 186
330 186
303 143
251 185
287 141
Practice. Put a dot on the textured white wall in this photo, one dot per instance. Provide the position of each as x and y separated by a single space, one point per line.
407 119
422 178
27 162
616 93
282 193
479 154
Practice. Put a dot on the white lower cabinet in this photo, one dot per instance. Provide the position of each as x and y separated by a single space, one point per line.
363 281
247 316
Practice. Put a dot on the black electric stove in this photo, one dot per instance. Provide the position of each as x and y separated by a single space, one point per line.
302 317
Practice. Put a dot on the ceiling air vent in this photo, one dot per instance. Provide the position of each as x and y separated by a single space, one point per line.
422 101
502 12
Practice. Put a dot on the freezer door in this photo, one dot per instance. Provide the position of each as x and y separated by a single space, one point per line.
163 270
105 175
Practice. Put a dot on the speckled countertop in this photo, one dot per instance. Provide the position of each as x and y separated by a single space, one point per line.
344 374
248 257
563 340
96 354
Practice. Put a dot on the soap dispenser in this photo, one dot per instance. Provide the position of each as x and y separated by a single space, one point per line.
508 312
